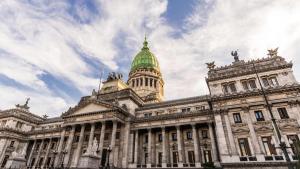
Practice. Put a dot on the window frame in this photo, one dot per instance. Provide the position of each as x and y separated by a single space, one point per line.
283 114
237 120
262 118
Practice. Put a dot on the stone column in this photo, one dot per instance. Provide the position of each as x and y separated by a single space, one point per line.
47 153
31 153
69 145
136 147
196 146
180 149
113 143
149 148
60 144
164 152
126 145
257 151
91 138
213 145
38 155
101 140
24 149
230 136
79 145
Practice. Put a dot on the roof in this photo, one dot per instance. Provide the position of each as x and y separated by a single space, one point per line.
240 68
145 59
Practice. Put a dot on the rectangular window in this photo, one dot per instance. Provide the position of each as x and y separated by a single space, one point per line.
155 81
151 82
252 84
207 156
137 82
174 137
265 82
244 147
133 83
237 118
232 87
273 81
191 157
159 157
259 115
225 88
184 110
106 136
118 135
146 81
283 113
189 135
204 134
175 157
294 142
160 139
245 85
268 147
12 143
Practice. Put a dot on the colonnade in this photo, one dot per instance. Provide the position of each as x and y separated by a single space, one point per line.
63 153
166 161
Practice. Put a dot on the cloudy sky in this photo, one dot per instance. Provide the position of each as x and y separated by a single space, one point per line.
54 51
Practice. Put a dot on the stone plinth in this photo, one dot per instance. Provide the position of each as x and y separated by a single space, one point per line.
89 161
16 162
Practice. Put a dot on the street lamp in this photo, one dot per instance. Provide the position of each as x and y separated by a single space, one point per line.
109 149
64 152
282 144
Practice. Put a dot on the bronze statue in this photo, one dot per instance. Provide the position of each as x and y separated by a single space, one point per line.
114 76
235 55
273 52
24 106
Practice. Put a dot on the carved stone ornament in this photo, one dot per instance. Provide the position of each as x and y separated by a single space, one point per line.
273 52
211 65
235 55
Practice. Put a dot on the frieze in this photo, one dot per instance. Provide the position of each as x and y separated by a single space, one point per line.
263 126
240 128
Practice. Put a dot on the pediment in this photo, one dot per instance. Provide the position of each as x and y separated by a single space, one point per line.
92 107
86 107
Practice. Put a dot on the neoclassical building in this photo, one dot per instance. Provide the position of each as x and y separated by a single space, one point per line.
252 109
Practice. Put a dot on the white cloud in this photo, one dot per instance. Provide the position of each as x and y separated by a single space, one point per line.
41 38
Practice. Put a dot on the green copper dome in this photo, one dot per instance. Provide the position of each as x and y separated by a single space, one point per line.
145 59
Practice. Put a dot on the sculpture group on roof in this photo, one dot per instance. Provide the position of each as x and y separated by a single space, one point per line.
114 76
24 106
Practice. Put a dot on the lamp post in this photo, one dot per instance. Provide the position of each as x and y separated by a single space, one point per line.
109 149
282 144
64 152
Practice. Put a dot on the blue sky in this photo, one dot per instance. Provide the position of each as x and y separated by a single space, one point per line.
54 51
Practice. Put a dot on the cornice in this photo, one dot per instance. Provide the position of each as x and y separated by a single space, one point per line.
208 113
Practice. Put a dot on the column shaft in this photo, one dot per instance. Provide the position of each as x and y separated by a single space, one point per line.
101 140
38 155
136 147
47 153
68 146
164 152
59 148
31 153
113 143
213 143
196 146
79 145
180 149
91 138
149 148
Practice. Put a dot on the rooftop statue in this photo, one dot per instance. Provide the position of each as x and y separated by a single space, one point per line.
235 55
273 52
211 65
114 76
24 106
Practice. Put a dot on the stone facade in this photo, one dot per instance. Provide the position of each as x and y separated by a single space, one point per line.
116 126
